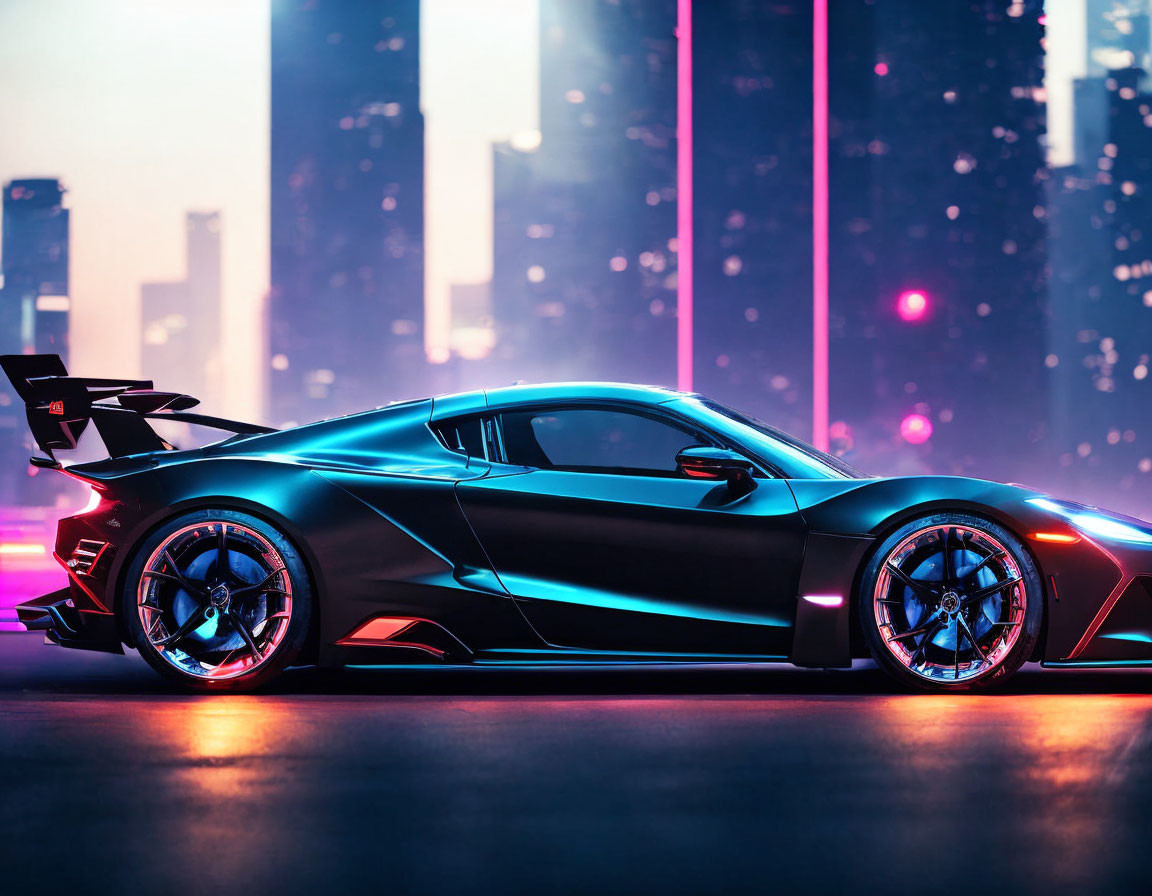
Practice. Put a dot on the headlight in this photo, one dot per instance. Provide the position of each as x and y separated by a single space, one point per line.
1090 521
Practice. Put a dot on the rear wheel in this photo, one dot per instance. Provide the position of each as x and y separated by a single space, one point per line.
218 600
951 602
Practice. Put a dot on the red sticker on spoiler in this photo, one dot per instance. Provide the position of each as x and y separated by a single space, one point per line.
57 408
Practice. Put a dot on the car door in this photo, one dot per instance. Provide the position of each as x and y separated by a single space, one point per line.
606 546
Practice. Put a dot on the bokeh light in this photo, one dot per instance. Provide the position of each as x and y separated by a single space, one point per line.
912 305
916 429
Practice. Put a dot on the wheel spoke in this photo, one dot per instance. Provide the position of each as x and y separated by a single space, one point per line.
984 593
222 568
996 555
179 580
265 623
260 586
949 567
196 588
154 626
919 630
242 629
193 622
915 584
971 637
956 655
926 640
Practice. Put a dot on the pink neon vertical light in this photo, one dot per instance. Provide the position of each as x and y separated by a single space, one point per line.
684 196
820 224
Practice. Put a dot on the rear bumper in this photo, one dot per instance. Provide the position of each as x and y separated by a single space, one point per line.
56 615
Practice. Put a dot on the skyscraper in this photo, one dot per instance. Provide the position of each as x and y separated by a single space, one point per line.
939 301
585 223
181 320
1116 35
34 311
1101 345
752 92
347 214
35 267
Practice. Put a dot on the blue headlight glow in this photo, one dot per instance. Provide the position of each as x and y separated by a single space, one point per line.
1096 522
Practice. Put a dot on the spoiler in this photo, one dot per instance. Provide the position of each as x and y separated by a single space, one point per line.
59 408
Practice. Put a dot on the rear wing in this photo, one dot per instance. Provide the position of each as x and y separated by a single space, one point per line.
60 406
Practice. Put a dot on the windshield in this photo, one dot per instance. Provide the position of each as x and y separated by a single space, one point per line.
796 458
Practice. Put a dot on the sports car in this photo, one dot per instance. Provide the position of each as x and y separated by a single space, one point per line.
580 523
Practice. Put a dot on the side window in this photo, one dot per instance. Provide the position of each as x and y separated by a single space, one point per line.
594 440
464 435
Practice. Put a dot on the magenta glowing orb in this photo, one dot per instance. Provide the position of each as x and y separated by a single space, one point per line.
916 429
912 305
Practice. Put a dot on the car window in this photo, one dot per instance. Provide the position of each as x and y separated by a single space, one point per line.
465 436
594 440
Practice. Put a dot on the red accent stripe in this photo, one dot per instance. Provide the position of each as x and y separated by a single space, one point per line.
377 632
76 579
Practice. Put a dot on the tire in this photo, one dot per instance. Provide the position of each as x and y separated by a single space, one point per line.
208 629
935 619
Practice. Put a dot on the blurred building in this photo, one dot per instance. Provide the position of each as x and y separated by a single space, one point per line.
347 207
1117 35
938 294
180 321
471 333
35 305
585 219
937 179
752 93
35 267
1101 226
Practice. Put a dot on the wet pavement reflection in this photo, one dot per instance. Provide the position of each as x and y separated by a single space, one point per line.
695 780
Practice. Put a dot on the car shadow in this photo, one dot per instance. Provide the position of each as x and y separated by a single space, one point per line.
671 681
32 670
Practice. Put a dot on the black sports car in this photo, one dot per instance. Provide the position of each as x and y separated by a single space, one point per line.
578 523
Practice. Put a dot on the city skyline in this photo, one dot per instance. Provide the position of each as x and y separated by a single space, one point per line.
600 171
87 55
346 299
181 320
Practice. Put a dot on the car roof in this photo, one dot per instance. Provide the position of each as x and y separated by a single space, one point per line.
510 396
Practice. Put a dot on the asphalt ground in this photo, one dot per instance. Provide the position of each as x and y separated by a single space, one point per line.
642 779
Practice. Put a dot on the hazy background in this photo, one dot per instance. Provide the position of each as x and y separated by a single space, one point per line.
148 109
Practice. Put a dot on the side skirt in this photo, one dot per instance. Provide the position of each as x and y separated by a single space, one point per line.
1097 664
573 657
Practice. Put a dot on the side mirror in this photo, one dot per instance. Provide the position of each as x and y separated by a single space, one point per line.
700 462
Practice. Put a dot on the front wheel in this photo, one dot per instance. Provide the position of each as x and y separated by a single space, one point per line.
951 602
218 600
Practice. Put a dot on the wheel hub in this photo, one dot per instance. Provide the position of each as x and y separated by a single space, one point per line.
220 597
950 602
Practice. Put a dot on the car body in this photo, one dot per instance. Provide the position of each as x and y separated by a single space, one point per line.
518 525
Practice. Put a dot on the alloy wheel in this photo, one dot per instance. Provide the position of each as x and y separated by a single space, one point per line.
215 600
949 603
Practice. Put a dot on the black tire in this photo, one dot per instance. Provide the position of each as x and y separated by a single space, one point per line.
282 611
909 619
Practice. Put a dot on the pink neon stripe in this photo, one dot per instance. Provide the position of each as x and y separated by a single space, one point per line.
820 224
684 196
825 600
